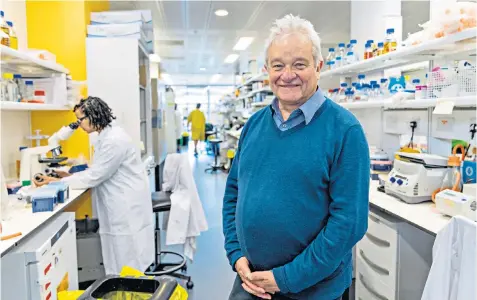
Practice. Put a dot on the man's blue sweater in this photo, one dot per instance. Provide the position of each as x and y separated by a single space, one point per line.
296 201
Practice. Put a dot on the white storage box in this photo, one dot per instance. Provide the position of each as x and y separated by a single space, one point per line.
133 30
117 17
54 87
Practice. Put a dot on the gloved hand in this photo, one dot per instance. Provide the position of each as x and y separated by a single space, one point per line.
41 180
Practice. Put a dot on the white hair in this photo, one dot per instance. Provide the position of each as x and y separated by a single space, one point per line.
291 24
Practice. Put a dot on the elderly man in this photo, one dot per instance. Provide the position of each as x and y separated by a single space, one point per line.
296 200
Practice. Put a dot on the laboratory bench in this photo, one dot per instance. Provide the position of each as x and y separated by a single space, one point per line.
23 220
393 259
423 215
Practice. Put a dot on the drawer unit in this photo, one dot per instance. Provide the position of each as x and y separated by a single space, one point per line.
380 260
369 285
392 260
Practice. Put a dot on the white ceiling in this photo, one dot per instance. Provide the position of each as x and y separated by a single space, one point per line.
189 35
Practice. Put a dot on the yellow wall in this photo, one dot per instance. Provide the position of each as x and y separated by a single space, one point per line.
60 27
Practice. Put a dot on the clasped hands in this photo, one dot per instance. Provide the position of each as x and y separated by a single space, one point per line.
260 284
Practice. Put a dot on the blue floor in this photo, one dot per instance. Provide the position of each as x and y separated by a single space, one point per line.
210 271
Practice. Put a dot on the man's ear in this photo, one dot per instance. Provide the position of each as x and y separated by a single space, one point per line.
319 66
265 68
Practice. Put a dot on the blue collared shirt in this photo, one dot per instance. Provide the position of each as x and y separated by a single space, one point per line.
303 113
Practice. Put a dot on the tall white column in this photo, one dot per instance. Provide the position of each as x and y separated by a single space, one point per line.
370 19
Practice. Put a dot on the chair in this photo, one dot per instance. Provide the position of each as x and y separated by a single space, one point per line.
215 146
161 202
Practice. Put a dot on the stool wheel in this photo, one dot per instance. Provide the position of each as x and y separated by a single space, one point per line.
190 285
184 268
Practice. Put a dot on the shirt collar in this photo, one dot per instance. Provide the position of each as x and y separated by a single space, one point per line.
309 108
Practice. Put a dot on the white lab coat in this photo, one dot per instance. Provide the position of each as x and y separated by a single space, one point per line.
122 199
178 119
186 218
453 271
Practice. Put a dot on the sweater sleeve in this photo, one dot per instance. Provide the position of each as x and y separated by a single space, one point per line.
232 245
347 222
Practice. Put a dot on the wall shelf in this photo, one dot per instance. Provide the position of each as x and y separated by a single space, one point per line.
252 93
19 106
18 62
455 45
258 77
467 101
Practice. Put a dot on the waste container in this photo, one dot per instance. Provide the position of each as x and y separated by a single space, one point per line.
135 288
185 139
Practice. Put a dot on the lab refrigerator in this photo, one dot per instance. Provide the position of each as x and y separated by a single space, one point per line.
44 264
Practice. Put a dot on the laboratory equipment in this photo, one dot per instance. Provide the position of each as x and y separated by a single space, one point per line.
453 177
32 158
37 137
13 36
331 55
416 176
140 288
380 48
5 30
390 43
380 163
10 88
368 51
44 264
421 92
63 190
454 203
342 92
350 58
349 96
354 49
332 64
338 62
43 199
39 96
341 50
29 92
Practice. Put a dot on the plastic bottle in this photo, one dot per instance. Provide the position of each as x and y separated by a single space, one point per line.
361 78
390 43
332 64
380 48
384 87
412 85
13 36
354 49
349 97
331 55
374 48
342 92
29 91
6 30
17 78
350 58
338 62
341 50
11 88
335 95
368 51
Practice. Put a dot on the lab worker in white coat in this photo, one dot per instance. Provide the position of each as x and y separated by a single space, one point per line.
453 274
186 218
120 190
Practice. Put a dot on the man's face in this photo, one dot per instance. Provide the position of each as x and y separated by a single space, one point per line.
84 122
291 67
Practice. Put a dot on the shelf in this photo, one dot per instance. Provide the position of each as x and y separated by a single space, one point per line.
19 106
366 104
468 101
258 77
18 62
142 87
252 93
260 104
456 45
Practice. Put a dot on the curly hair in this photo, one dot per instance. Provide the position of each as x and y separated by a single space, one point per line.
98 112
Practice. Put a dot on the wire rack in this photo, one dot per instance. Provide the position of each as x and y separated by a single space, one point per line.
452 82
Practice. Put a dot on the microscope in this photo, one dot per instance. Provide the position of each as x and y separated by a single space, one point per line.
33 160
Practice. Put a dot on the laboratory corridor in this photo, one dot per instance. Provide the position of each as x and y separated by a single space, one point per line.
210 270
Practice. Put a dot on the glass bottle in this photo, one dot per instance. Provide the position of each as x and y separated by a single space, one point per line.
13 36
380 48
390 43
331 54
6 30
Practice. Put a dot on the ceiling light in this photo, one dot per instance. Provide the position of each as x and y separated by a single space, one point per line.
154 58
203 69
215 78
243 43
231 58
221 12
